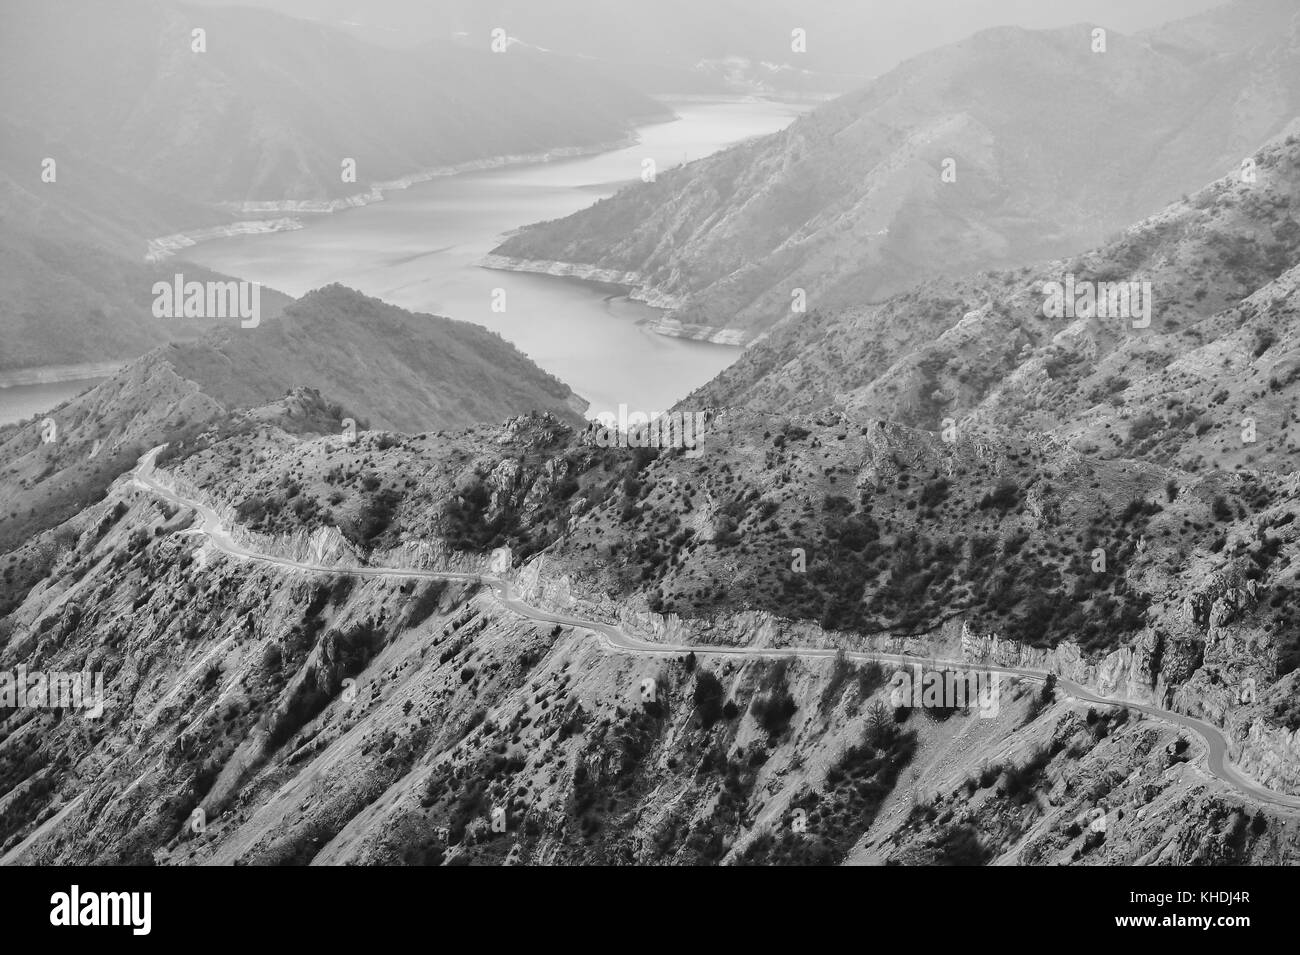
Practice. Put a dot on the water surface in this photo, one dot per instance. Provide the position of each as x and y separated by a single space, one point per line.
419 249
18 402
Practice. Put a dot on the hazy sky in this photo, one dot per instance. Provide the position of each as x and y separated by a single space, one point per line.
860 36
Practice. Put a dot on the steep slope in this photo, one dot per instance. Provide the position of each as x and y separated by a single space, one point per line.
260 714
399 370
851 202
74 283
981 353
377 364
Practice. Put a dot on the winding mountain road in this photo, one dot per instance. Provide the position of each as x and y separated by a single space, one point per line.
616 639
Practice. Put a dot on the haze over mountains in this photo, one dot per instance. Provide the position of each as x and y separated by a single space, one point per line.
678 46
119 81
1052 148
151 138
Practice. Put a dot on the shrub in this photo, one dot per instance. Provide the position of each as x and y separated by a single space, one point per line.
772 710
708 697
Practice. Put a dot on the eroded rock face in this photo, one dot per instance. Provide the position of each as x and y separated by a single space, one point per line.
317 718
1223 600
229 679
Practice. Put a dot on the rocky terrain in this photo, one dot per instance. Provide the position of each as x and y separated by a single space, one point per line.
1008 147
1220 345
426 372
465 628
264 715
273 713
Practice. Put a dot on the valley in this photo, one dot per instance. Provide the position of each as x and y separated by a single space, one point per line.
565 452
423 248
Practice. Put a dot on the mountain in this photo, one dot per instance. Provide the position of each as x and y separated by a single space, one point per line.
1053 147
721 45
981 352
335 353
150 139
522 643
400 370
273 106
74 283
331 715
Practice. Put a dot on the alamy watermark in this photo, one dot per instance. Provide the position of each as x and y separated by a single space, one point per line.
52 689
182 299
1087 299
946 689
75 907
655 429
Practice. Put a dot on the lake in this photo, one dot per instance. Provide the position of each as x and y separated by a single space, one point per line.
18 402
419 249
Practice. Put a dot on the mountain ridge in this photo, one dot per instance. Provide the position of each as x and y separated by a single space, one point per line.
850 204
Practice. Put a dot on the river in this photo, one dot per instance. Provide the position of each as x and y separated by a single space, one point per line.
419 249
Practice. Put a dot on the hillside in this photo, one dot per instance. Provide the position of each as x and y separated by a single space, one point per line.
1222 345
850 203
479 632
399 370
274 105
74 283
235 700
153 140
1158 571
337 353
722 45
70 302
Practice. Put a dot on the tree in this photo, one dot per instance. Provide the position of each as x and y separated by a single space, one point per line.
880 725
1048 695
708 697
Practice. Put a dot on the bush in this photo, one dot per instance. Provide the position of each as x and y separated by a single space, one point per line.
708 697
1004 497
773 710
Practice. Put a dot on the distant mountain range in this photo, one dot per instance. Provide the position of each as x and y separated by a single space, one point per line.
685 46
1009 146
148 138
1080 465
274 105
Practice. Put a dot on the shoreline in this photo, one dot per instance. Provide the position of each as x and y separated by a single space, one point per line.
165 246
638 290
59 374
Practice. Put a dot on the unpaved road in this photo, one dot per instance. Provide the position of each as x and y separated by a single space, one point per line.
616 639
